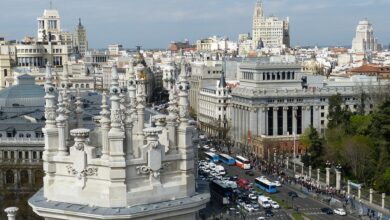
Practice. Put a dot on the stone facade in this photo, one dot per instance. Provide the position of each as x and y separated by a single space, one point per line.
136 172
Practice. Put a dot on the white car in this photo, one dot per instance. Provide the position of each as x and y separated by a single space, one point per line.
340 211
277 183
261 218
274 205
249 208
213 150
206 147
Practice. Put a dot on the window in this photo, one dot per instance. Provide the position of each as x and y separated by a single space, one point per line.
322 107
28 135
21 135
322 122
5 72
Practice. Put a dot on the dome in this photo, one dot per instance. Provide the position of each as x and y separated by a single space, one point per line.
25 93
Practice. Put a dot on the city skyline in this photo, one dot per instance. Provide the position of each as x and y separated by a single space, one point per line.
139 22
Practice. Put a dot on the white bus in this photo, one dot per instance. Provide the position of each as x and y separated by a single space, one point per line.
243 163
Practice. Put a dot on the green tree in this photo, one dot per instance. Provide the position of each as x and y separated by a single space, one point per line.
313 143
338 115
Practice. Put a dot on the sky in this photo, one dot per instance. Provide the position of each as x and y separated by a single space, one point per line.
155 23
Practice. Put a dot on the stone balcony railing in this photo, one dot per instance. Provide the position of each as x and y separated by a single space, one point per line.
22 141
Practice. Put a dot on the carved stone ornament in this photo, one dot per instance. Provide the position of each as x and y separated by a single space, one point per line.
80 147
144 170
91 171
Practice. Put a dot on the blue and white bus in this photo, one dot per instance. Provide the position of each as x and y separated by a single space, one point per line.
266 185
226 159
212 157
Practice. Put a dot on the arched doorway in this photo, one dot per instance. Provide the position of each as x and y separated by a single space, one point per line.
23 178
9 177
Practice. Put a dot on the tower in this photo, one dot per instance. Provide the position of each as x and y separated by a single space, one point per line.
80 39
364 40
49 26
118 178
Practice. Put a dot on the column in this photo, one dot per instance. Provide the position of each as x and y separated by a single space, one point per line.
349 187
303 165
318 176
327 175
359 192
383 200
310 171
285 120
30 176
316 117
16 179
338 179
294 119
30 156
261 121
275 121
371 192
253 121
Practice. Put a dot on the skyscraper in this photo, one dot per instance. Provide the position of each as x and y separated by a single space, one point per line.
364 40
269 31
80 39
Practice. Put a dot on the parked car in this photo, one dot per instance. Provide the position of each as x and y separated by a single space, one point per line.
213 150
206 147
277 183
340 211
327 210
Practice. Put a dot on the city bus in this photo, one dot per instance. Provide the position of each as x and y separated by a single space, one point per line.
220 192
212 157
224 158
243 163
266 185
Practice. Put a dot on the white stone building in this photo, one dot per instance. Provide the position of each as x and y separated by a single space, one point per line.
131 174
216 43
364 40
80 39
269 32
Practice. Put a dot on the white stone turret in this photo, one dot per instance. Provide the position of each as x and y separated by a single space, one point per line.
79 109
105 124
61 124
137 179
50 130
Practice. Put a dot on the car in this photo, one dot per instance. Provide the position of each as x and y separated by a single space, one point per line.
292 194
252 196
213 150
340 211
249 208
269 213
277 183
213 173
261 218
234 178
327 210
274 205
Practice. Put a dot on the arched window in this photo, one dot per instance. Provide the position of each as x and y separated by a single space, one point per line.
82 86
9 177
21 135
28 135
87 86
77 85
23 177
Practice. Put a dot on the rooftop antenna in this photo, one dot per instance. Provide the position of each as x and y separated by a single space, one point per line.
51 4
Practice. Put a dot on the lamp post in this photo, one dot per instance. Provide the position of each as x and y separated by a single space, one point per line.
327 172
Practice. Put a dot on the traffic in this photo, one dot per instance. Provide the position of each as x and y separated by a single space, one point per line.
245 192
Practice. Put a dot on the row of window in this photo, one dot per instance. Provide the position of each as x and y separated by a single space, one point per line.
20 155
10 134
39 51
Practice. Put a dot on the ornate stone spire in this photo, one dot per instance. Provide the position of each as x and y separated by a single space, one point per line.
183 94
50 103
115 105
105 124
61 119
79 109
